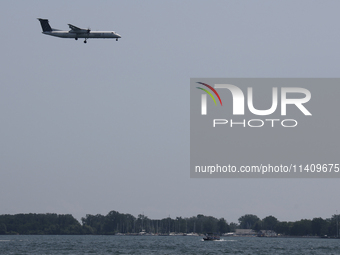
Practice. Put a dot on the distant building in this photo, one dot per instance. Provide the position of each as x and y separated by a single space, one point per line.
267 233
245 232
229 234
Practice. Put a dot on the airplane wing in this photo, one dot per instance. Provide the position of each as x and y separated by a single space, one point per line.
78 30
74 27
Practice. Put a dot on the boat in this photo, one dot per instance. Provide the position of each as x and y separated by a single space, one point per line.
211 237
142 233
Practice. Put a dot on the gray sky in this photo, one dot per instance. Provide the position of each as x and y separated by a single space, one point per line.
89 128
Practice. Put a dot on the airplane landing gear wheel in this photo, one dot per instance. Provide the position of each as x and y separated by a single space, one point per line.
85 41
76 38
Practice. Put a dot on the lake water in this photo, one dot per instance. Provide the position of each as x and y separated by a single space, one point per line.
164 245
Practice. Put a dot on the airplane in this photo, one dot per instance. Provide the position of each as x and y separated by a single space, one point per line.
76 32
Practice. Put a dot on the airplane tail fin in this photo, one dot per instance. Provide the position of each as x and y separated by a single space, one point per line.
44 25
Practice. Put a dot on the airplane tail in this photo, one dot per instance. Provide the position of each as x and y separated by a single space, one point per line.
44 25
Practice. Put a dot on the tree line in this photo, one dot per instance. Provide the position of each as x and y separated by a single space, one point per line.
39 224
115 222
303 227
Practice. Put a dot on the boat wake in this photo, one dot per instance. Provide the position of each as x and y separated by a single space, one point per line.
222 240
225 240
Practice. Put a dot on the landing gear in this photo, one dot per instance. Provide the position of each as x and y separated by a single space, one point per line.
85 40
117 39
76 38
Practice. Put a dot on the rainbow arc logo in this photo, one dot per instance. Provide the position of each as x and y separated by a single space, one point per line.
204 97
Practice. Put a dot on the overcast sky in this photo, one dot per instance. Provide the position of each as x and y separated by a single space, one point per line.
90 128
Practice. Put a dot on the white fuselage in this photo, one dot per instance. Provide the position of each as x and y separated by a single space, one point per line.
91 34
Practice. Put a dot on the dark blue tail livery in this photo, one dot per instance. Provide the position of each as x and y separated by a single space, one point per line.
44 25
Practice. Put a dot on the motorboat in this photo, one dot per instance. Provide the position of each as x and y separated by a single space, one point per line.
211 237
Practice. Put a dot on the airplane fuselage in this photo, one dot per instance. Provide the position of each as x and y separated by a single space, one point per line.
92 34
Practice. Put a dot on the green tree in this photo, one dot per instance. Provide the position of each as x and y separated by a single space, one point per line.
233 226
247 221
223 226
301 228
319 226
269 222
257 226
283 228
3 229
333 224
